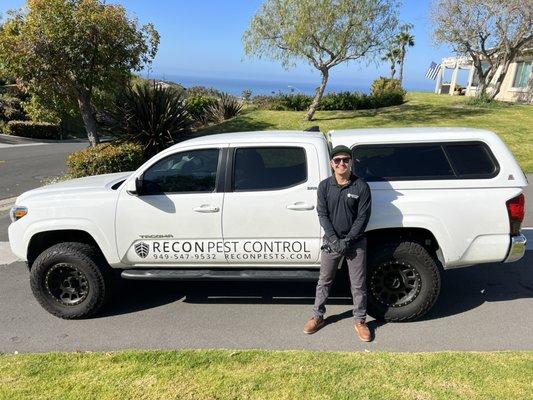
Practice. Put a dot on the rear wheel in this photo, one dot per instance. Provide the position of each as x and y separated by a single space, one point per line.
70 280
403 281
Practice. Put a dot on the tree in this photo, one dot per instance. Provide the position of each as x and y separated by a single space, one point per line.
403 40
491 32
73 49
325 33
392 56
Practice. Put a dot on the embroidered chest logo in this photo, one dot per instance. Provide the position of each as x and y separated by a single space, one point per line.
353 196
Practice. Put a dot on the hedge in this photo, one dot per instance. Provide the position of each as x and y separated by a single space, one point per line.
344 101
105 158
30 129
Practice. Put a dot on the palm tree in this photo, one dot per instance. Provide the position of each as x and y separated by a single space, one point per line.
392 56
404 39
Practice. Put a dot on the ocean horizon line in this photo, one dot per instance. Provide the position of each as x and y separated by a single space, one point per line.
236 86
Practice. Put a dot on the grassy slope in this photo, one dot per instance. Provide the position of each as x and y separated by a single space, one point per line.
513 122
253 374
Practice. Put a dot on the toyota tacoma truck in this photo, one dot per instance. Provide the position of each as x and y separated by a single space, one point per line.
243 206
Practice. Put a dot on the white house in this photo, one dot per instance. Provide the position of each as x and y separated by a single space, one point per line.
517 85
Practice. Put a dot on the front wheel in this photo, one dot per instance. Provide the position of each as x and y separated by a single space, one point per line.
70 280
403 281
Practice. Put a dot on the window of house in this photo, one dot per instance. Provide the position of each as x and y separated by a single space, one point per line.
522 74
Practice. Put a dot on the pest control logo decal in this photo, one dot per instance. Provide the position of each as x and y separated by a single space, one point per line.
186 251
142 249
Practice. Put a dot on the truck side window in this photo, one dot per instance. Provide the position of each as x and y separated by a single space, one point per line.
397 162
184 172
443 160
472 159
268 168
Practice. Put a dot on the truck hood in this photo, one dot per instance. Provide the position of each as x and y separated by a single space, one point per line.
79 185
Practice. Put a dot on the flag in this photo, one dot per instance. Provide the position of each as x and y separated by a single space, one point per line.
433 70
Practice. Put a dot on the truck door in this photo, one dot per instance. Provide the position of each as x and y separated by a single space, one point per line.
176 219
269 215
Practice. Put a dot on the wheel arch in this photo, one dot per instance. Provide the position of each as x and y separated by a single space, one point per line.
423 236
43 240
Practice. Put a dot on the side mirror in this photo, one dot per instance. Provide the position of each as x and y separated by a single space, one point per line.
134 187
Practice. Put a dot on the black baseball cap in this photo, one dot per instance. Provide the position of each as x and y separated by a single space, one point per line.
339 149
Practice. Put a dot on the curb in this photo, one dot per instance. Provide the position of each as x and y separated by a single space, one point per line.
5 204
6 256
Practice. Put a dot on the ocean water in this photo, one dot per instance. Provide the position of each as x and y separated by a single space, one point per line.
259 87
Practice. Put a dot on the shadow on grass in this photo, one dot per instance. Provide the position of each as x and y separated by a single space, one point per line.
240 123
411 113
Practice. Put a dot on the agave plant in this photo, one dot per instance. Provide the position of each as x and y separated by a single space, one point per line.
153 116
226 107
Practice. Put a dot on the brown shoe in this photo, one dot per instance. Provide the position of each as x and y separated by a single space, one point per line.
313 325
362 330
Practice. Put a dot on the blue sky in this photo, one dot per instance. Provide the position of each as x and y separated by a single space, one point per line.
204 39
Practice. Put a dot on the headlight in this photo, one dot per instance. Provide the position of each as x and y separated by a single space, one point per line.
17 212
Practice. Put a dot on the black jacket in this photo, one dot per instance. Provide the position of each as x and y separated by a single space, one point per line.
343 211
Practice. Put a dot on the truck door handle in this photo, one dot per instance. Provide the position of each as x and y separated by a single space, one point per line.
300 206
206 208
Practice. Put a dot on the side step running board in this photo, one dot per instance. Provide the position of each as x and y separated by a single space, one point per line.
220 275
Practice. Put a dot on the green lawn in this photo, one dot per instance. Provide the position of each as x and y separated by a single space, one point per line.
254 374
513 122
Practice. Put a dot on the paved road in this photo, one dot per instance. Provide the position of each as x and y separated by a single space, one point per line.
485 307
24 163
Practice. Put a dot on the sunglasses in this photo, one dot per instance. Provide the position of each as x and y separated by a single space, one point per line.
345 160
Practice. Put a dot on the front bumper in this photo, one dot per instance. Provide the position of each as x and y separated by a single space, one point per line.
517 248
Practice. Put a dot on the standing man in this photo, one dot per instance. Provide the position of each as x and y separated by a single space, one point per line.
344 205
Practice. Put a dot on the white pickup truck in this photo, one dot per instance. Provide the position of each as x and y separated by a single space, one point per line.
242 206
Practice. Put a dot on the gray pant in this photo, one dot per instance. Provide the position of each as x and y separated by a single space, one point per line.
356 259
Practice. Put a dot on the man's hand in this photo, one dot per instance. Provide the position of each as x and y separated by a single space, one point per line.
335 246
339 245
344 244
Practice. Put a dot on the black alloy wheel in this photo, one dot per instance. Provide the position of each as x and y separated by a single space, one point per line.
395 284
403 280
67 284
71 280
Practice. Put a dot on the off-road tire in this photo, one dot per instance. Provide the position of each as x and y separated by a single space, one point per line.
85 260
425 271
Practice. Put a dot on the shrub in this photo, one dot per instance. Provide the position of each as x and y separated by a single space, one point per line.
284 102
153 116
262 101
295 102
246 94
385 94
198 108
11 109
481 100
387 99
29 129
226 107
382 85
386 85
346 101
105 158
203 91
